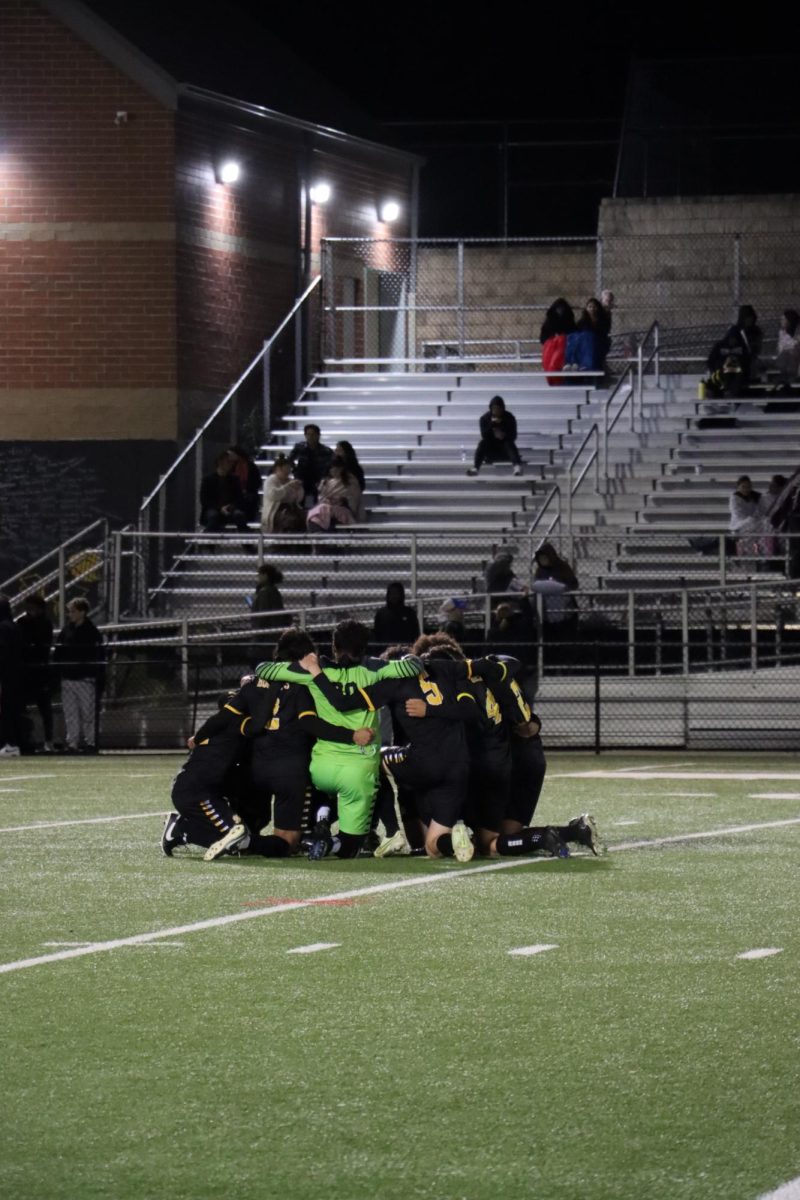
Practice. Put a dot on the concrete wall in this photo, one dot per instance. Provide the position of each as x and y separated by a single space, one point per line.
679 259
495 277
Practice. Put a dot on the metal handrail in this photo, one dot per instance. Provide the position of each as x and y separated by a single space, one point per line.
653 330
594 460
265 349
551 495
608 428
7 583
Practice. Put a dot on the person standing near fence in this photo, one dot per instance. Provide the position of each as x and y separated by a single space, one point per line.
80 659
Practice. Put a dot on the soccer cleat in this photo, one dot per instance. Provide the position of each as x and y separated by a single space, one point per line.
472 470
321 841
233 838
517 469
584 830
396 844
553 845
9 751
463 848
168 839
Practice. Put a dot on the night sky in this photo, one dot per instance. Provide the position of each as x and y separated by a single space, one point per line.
439 79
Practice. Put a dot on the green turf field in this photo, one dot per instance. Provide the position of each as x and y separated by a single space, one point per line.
638 1057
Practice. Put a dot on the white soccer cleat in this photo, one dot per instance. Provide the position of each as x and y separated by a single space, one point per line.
463 848
393 846
235 836
9 751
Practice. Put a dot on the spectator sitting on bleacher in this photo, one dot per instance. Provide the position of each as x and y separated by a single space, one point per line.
746 519
450 618
221 498
345 451
282 502
588 346
559 323
396 621
608 300
249 478
498 437
339 498
311 459
743 343
500 577
553 579
787 360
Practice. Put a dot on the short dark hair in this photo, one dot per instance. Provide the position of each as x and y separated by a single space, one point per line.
311 425
80 604
437 645
351 638
293 644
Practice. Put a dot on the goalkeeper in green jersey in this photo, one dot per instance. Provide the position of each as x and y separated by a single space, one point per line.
348 770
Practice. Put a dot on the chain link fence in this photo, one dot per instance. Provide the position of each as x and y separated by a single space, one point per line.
395 303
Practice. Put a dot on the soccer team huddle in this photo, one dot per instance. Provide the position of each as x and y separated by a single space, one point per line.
297 749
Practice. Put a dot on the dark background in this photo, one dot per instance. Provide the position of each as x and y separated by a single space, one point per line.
518 110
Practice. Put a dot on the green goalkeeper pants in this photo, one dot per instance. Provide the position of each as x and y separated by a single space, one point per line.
354 779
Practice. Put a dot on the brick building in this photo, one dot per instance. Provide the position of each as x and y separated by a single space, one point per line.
134 285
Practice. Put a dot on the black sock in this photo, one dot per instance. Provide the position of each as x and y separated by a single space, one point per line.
524 842
444 844
566 833
349 844
269 846
385 809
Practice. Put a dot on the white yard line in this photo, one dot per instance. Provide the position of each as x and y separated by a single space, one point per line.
17 778
526 951
377 889
767 952
744 776
789 1191
653 767
82 821
775 796
314 947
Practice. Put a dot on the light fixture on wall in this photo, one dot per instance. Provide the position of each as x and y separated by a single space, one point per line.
228 172
390 211
320 193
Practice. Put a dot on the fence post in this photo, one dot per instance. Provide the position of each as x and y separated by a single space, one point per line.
723 565
639 384
597 697
185 658
414 564
753 628
737 270
657 358
598 267
631 634
117 577
460 298
62 587
540 642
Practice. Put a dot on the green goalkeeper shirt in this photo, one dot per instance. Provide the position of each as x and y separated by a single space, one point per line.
350 679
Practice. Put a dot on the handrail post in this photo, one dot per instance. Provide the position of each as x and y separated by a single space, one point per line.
198 473
657 358
640 382
62 587
685 630
162 524
460 297
631 634
723 562
540 642
298 353
117 578
266 391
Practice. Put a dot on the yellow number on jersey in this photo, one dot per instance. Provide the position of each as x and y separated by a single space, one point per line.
430 690
524 707
275 723
492 708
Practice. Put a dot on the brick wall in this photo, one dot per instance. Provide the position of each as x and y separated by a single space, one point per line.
87 301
